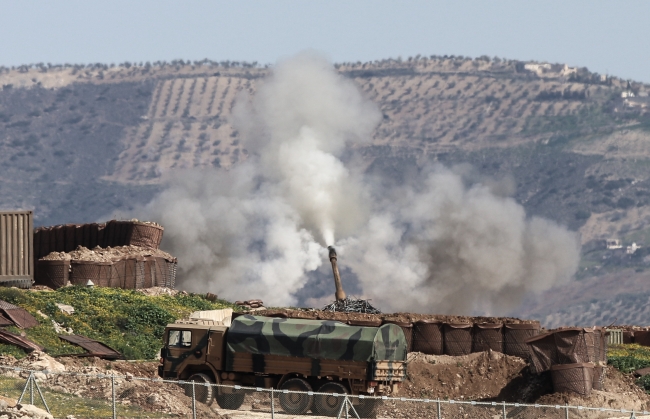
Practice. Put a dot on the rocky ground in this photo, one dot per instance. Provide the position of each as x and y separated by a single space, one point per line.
492 376
484 376
78 377
107 254
401 317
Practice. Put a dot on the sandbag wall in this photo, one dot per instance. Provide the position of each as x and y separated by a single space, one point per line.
575 356
65 238
457 339
127 272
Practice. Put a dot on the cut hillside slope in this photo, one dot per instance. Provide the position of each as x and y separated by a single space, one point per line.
128 321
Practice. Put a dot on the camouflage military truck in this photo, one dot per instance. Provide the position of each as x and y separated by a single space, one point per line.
287 354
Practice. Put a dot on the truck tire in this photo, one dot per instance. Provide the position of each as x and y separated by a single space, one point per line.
367 408
296 403
203 393
230 401
328 404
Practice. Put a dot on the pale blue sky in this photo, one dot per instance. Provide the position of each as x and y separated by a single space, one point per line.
605 36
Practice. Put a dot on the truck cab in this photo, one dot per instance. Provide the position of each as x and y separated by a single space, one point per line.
192 347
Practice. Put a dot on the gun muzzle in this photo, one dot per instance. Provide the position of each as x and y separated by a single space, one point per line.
340 294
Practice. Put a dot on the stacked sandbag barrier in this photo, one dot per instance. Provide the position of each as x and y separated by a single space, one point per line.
128 267
435 337
432 334
128 273
98 273
114 233
515 336
457 339
428 337
52 273
488 336
576 358
575 378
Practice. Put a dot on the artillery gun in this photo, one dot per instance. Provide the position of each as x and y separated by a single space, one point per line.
342 303
315 357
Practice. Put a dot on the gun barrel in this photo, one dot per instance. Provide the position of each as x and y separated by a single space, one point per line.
340 294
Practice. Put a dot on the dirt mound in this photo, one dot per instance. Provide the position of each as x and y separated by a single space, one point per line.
108 254
492 376
477 376
77 376
402 317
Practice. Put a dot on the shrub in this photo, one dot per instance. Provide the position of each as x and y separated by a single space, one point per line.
625 202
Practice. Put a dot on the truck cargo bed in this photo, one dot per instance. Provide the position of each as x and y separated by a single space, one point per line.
278 364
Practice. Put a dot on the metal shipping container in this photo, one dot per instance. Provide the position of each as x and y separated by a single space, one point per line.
16 249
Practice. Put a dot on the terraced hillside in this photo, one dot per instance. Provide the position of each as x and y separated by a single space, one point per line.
79 142
186 126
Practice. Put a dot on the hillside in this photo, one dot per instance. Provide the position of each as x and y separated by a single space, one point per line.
77 142
131 322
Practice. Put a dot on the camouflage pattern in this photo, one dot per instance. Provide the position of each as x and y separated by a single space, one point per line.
316 339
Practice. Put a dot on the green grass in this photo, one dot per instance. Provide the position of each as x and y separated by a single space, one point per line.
639 237
629 358
591 116
64 404
126 320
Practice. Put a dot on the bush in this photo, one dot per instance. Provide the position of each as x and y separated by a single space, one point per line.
625 203
628 364
644 382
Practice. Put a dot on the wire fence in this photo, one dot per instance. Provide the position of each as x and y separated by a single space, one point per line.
92 395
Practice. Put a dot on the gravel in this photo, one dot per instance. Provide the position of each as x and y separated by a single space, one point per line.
108 254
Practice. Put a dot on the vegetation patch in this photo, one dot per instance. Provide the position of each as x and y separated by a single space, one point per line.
126 320
629 358
61 404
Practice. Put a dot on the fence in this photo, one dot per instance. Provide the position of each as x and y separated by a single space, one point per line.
105 395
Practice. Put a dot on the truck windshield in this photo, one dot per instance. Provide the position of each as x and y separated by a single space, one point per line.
181 338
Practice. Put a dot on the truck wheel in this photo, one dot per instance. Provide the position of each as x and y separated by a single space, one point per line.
367 408
329 404
203 393
230 401
296 403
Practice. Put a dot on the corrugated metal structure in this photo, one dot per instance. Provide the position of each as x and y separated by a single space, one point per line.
17 315
66 237
14 339
16 249
94 347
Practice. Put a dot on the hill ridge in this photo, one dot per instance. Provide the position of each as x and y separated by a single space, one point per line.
79 142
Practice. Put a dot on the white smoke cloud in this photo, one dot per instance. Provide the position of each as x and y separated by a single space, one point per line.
298 124
439 245
234 236
432 245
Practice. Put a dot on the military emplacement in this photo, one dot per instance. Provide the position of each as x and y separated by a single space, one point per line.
347 347
575 357
343 304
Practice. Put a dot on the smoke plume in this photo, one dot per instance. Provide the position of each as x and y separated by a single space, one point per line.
439 245
443 242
